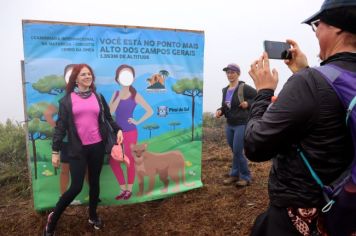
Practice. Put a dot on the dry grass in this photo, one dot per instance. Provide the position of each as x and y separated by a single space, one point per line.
213 209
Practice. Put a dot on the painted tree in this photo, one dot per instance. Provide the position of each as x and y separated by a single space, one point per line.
164 73
51 84
151 127
191 88
174 124
38 129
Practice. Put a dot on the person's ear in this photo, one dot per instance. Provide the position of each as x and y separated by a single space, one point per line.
339 31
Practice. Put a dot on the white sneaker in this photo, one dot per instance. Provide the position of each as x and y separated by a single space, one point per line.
76 202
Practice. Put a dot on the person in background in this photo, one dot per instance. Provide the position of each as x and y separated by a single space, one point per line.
307 115
79 118
123 104
236 102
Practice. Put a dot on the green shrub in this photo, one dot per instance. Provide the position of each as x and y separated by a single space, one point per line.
12 144
13 162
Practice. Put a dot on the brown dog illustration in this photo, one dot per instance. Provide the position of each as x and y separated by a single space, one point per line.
167 164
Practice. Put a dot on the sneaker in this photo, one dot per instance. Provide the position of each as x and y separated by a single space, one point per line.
242 183
230 180
127 195
97 223
76 202
45 231
121 195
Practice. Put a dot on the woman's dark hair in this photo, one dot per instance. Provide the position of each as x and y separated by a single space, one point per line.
73 77
118 70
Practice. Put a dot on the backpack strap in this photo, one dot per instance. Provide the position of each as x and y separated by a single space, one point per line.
329 202
331 74
312 172
102 107
350 108
240 92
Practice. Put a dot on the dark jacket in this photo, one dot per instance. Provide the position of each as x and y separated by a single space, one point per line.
65 125
236 115
309 114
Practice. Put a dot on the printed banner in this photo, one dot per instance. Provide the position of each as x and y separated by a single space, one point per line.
166 125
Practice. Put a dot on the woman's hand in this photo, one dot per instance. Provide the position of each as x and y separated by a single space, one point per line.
218 113
132 121
244 105
120 137
55 160
262 75
299 60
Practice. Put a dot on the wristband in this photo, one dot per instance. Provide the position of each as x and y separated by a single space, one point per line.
55 152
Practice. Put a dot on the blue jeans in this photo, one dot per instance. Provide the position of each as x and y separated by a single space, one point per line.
235 138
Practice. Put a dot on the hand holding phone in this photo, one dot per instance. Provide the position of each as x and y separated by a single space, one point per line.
277 50
299 60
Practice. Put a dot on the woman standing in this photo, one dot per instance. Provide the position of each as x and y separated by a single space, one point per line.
79 118
123 104
236 102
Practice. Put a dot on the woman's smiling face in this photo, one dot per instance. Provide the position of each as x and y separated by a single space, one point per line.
84 79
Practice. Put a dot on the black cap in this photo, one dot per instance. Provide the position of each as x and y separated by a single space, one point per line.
338 13
330 4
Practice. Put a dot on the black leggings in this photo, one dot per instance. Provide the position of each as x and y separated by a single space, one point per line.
92 157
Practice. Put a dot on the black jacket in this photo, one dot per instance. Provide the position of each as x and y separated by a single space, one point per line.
307 113
65 125
236 115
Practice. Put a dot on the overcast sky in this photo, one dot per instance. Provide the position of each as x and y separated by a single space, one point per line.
234 32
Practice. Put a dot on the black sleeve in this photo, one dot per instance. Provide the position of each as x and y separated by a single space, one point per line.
61 127
249 94
108 116
272 128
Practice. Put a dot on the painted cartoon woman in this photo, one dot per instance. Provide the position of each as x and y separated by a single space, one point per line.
123 104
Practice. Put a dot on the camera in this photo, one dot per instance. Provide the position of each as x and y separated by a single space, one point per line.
277 50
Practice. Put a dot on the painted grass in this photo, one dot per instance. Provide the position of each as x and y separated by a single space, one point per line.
46 186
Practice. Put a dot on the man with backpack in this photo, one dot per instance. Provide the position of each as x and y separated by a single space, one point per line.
308 132
236 102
